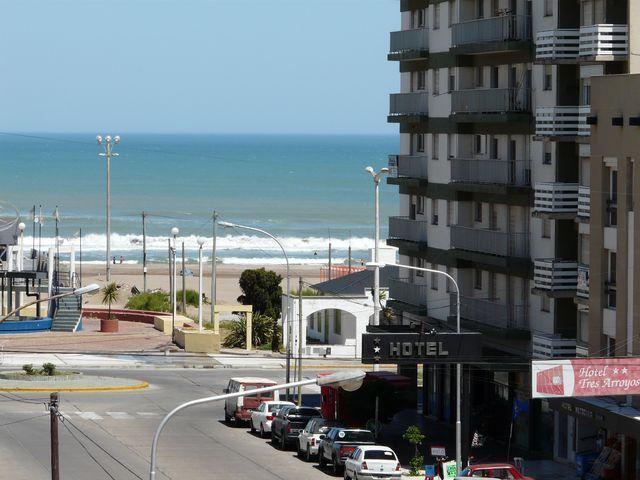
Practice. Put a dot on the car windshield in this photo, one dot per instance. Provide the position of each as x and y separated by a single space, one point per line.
379 455
354 436
276 407
325 427
263 395
304 412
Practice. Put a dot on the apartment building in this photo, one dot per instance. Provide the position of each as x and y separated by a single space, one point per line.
493 174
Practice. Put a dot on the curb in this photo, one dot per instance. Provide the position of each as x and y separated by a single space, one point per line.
125 388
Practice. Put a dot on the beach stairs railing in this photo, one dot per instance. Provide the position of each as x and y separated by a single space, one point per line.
68 314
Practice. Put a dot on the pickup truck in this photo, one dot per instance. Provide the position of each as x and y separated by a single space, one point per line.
289 422
339 443
492 471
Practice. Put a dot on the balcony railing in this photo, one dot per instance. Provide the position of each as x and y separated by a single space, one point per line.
404 228
556 197
562 121
414 40
411 166
491 100
555 275
403 290
495 29
546 345
490 312
490 171
416 103
583 282
604 40
584 202
558 44
492 242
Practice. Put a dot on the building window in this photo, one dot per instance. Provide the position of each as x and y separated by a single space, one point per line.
494 148
548 8
435 151
495 71
479 144
479 78
480 9
436 16
449 213
312 322
477 279
436 81
545 303
452 81
417 262
337 322
434 277
548 78
421 81
420 142
448 282
585 91
546 228
319 321
420 205
419 18
493 287
434 211
477 211
546 153
452 11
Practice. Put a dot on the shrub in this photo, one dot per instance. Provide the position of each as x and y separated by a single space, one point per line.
110 295
152 301
192 297
261 332
414 436
49 369
28 369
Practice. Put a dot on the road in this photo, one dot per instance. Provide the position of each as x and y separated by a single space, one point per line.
195 444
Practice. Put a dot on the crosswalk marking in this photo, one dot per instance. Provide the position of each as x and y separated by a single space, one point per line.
89 415
146 414
119 415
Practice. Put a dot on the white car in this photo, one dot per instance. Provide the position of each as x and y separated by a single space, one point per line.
262 416
309 438
369 462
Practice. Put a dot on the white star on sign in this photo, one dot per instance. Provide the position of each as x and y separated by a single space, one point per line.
615 371
376 349
624 370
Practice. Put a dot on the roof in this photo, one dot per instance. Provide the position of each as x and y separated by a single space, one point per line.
253 380
356 283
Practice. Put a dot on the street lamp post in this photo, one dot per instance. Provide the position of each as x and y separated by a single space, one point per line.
174 302
458 365
200 320
107 142
21 227
288 316
349 380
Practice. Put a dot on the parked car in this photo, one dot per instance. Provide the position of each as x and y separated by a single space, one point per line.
501 471
262 417
339 443
289 422
370 462
239 408
309 438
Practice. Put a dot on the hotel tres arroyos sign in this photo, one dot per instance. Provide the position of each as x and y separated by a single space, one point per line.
585 377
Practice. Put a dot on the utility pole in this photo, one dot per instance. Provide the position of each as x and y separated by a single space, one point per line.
349 258
300 339
55 458
144 253
214 269
80 240
108 154
184 292
329 261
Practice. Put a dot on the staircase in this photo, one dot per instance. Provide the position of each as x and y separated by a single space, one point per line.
68 314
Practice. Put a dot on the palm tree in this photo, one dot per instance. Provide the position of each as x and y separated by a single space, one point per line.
110 294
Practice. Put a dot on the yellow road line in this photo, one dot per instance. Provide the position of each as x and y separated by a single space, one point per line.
125 388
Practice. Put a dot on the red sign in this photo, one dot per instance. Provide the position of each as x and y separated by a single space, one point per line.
585 377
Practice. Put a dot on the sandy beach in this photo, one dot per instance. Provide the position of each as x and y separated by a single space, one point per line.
128 276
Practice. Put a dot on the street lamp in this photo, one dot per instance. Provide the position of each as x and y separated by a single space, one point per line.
288 322
375 265
200 244
174 233
349 380
108 141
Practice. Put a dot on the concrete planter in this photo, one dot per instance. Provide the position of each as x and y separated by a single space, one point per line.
194 341
164 323
109 325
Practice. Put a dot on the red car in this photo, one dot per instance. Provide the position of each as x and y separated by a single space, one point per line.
501 471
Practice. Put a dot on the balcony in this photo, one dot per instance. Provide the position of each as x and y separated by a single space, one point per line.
405 106
562 121
404 228
558 45
409 44
556 200
546 345
490 171
555 277
490 312
494 34
582 291
584 203
491 242
408 166
490 101
604 42
402 290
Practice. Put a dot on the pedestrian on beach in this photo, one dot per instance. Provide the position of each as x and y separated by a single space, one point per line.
121 259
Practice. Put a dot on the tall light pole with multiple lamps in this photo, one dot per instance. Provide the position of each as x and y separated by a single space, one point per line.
108 142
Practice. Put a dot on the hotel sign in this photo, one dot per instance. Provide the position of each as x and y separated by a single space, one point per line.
417 347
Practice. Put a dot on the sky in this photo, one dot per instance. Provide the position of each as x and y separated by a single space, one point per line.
197 66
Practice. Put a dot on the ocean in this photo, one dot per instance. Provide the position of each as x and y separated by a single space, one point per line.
308 190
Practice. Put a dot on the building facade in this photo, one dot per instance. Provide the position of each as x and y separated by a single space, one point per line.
494 174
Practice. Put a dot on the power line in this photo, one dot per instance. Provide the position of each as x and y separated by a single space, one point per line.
24 420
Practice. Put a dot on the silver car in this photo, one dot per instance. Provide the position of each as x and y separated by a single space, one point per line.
309 438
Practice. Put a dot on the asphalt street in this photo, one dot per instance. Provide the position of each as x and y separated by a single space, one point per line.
196 444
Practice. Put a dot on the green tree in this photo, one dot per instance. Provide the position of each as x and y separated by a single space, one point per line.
110 294
261 332
414 436
261 289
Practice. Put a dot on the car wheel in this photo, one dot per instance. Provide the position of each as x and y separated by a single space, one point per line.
335 468
321 460
262 431
307 454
